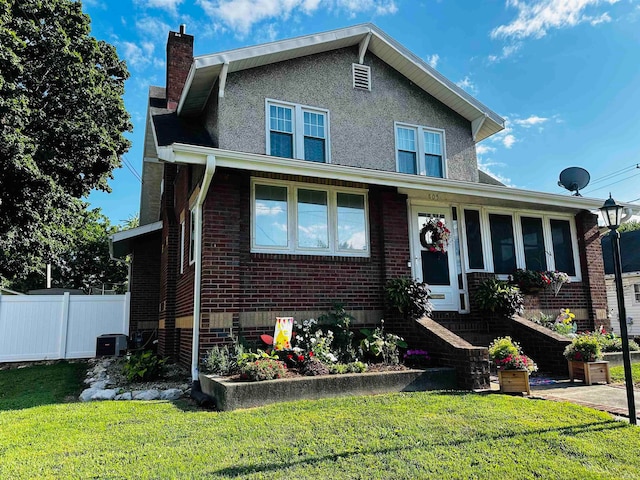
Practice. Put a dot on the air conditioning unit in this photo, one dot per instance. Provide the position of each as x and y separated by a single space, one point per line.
111 344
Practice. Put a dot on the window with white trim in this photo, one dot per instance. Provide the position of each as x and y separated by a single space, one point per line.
306 218
192 236
297 131
636 293
420 150
501 241
182 241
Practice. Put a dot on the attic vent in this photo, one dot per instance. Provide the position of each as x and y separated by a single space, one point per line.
361 77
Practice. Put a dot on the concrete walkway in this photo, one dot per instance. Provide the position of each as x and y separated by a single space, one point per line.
608 398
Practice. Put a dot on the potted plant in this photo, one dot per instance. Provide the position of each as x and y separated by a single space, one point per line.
497 296
584 355
513 367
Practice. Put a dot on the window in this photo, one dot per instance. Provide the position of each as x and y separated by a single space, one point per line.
563 246
300 218
474 239
420 151
192 236
182 240
296 131
636 293
535 257
502 243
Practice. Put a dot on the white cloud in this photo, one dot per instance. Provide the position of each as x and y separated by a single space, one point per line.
531 121
262 209
153 27
432 60
467 85
507 51
170 6
508 140
482 149
357 241
241 15
487 167
137 56
535 19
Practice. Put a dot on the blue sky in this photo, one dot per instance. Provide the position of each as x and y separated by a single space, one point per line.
565 74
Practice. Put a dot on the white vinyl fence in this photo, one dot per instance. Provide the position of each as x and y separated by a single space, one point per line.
51 327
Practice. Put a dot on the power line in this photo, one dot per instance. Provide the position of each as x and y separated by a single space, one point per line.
613 183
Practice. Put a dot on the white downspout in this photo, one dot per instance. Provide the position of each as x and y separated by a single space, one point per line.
206 181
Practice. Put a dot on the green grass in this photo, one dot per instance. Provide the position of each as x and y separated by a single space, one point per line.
409 435
617 373
40 385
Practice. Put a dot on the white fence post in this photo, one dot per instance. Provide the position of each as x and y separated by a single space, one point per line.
64 325
126 313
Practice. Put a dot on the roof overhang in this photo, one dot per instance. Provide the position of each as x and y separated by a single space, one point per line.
206 69
406 183
121 243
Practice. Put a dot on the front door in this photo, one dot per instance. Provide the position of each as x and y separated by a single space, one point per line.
432 265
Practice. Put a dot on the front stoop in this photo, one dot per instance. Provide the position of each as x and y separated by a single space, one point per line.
230 395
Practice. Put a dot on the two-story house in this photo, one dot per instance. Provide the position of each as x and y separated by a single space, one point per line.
282 177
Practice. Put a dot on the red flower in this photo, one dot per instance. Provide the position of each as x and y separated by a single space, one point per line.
311 354
301 358
290 357
578 356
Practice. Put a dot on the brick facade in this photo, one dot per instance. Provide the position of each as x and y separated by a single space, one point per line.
145 287
179 59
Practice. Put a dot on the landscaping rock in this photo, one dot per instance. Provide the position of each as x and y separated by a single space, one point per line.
124 396
152 394
107 394
99 385
171 394
86 395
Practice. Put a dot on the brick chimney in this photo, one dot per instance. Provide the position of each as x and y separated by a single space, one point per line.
179 59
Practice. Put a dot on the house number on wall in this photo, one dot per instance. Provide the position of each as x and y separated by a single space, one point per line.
433 197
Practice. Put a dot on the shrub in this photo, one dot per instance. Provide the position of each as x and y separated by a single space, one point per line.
142 366
263 369
353 367
313 367
378 343
503 347
339 322
610 342
223 360
527 279
499 297
409 297
584 348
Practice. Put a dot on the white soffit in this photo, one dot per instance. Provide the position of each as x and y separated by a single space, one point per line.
205 70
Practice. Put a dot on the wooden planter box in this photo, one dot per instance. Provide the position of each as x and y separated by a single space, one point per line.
589 372
514 381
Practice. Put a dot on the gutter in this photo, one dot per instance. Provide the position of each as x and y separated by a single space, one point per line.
204 189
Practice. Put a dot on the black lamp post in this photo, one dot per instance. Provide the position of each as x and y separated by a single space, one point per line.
611 213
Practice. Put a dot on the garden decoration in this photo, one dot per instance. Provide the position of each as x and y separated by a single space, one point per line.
283 332
584 356
434 235
513 367
530 281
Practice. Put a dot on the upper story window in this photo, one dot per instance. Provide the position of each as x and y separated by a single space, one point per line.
420 150
306 218
297 131
636 293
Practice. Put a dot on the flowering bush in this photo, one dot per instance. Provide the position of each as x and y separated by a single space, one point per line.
516 362
416 358
528 279
263 369
434 236
507 355
584 348
557 280
379 343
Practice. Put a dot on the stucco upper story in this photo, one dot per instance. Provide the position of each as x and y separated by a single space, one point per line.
361 124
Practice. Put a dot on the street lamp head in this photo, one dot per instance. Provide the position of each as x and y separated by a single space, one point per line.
611 213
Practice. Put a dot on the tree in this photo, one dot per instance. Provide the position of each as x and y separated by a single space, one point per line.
85 263
62 125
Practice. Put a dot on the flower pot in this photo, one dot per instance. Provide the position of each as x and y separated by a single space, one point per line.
589 372
514 381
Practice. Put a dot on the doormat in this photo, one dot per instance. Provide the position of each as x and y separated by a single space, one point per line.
535 381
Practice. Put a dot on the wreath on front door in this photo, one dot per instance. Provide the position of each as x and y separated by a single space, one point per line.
434 236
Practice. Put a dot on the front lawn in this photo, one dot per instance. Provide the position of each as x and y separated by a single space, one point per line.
412 435
617 374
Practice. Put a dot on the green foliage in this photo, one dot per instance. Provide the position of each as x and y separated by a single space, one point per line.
142 366
313 367
617 374
497 296
610 342
248 357
339 322
262 369
382 345
502 347
530 279
425 435
409 297
63 120
342 368
28 387
584 348
629 226
224 360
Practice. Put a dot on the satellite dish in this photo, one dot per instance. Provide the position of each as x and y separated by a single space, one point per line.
574 179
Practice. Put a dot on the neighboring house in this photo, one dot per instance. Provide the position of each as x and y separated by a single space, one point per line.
630 256
282 177
6 291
